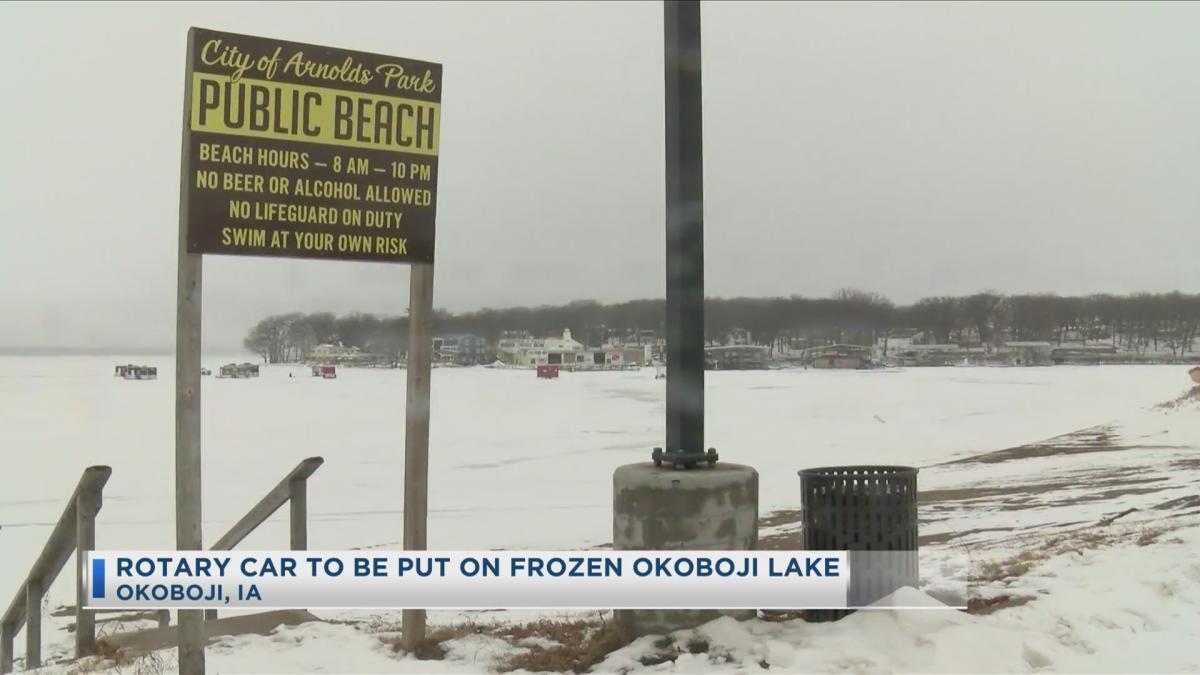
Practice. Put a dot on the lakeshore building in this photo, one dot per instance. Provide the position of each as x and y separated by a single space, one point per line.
840 356
339 354
933 355
523 350
736 357
531 352
1026 353
462 350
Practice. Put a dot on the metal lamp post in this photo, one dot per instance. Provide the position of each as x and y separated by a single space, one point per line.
685 240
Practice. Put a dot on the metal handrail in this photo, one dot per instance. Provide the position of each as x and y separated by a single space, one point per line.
74 532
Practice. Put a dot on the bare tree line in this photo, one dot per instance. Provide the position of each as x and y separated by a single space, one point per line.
1139 322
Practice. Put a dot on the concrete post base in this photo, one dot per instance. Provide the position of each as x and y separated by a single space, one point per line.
702 509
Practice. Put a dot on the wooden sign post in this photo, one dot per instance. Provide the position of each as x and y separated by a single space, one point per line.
188 303
301 151
416 438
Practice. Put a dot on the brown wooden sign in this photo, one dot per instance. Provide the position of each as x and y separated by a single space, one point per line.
302 151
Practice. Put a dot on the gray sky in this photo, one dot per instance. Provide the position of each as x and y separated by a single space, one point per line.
911 149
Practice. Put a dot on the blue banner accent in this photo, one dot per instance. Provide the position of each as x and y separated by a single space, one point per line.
97 578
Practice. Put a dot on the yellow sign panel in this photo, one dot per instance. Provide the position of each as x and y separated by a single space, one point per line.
293 112
304 151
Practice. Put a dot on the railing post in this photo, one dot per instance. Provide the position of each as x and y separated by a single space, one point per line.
7 633
293 489
299 513
86 506
33 624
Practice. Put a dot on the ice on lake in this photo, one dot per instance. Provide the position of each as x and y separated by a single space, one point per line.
515 462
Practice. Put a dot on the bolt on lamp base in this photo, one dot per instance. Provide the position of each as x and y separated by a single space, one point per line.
683 459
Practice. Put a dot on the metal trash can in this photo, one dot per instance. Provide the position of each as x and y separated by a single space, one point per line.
870 511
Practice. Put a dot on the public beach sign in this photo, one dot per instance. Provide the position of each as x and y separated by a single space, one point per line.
301 151
293 150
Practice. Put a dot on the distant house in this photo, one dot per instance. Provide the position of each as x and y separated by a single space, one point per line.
635 355
738 337
640 348
841 356
799 342
331 352
736 357
339 354
646 336
937 355
840 361
1026 353
899 339
564 350
614 356
531 352
515 349
632 337
628 352
462 350
1090 354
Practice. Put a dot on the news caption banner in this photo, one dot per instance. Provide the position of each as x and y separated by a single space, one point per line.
304 151
467 580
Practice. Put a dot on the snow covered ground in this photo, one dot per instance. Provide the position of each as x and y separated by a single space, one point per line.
1114 609
518 462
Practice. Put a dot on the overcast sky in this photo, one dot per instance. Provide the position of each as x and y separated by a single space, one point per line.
911 149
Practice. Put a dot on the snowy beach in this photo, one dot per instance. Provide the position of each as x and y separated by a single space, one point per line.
518 462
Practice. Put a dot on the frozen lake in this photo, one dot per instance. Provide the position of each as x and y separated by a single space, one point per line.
516 462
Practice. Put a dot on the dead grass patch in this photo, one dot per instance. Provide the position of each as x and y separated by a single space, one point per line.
669 648
431 649
107 657
581 644
780 517
981 606
1075 541
549 645
1016 566
1149 536
1192 395
1096 439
